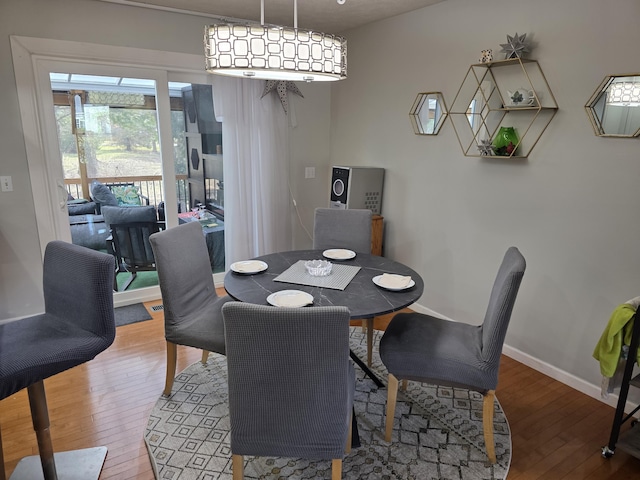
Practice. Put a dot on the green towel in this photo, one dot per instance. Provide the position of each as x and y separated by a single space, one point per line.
616 334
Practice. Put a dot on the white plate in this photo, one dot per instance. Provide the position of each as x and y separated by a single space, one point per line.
339 254
290 299
249 266
377 278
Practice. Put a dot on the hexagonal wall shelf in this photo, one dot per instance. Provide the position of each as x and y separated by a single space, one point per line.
511 93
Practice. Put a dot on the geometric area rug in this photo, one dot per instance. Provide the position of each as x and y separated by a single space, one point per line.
437 432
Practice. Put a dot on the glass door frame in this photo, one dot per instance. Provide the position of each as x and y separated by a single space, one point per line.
192 78
34 58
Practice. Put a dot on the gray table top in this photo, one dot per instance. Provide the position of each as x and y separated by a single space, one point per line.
363 298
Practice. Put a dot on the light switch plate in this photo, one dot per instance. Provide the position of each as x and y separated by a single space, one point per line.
6 183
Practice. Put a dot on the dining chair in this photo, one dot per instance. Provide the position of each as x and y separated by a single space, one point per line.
337 228
431 350
192 307
77 324
350 229
291 383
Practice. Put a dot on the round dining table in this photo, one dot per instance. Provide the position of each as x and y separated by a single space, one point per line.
362 296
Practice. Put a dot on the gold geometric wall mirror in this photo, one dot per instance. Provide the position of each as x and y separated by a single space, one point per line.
614 108
428 113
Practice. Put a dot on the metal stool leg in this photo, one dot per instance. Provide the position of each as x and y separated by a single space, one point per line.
40 419
84 464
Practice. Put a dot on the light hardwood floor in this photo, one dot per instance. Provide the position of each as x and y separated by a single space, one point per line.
557 432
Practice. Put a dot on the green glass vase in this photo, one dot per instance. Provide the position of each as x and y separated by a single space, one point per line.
505 141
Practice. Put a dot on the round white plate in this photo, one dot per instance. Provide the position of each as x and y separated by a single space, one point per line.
249 267
377 278
290 299
339 254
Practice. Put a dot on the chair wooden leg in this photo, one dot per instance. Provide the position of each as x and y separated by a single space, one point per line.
40 419
350 434
392 395
369 340
404 385
237 466
2 473
205 357
172 358
487 424
336 469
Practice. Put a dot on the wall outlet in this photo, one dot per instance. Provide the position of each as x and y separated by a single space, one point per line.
310 172
6 183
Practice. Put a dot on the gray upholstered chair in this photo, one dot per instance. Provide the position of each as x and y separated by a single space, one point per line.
350 229
78 323
441 352
130 229
192 308
291 383
336 228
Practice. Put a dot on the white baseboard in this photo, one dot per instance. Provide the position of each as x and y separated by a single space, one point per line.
545 368
416 307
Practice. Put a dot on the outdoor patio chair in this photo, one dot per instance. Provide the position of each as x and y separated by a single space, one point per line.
129 243
116 195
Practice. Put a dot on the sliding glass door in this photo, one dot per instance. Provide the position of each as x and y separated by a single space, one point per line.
111 139
108 142
110 152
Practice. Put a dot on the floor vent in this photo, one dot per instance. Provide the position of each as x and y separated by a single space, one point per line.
157 308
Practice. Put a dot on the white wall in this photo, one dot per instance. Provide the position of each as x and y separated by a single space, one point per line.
571 207
110 24
310 147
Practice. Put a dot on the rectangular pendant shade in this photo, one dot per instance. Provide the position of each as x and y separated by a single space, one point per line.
274 53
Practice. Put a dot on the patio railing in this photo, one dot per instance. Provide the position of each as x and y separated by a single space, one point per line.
150 186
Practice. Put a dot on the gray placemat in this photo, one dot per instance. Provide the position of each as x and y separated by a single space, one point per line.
338 279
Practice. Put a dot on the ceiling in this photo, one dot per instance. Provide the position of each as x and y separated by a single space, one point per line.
320 15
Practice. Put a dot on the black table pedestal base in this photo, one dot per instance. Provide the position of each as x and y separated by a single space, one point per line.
366 369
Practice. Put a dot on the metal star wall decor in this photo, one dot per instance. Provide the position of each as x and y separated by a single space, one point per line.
486 148
515 46
281 87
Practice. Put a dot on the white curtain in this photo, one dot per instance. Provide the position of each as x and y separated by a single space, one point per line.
255 142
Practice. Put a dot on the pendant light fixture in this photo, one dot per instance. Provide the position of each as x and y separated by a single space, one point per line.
274 52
